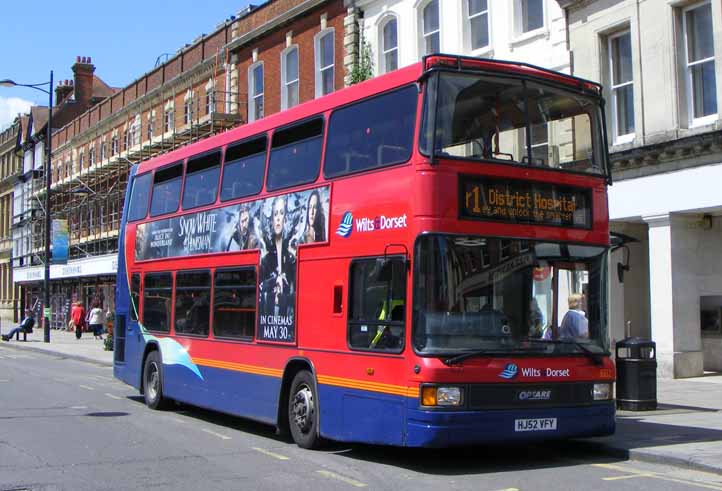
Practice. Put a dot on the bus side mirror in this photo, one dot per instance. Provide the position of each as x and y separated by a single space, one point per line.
623 265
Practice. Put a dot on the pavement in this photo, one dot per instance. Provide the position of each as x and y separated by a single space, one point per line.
684 431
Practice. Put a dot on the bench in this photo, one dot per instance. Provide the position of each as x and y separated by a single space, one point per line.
25 333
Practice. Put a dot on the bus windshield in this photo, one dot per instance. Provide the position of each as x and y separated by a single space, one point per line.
505 296
506 120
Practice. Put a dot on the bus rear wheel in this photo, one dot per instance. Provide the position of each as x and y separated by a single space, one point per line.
303 417
153 382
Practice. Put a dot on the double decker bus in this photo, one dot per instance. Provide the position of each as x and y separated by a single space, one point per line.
417 260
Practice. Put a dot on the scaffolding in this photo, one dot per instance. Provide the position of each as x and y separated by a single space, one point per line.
88 189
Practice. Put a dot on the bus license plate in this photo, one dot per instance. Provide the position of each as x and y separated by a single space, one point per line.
539 424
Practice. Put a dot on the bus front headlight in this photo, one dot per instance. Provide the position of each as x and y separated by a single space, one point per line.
602 392
441 396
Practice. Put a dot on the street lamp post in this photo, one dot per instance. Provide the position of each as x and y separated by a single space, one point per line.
48 180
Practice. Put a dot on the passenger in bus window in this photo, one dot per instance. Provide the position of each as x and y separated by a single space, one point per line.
243 238
278 266
536 320
575 323
315 220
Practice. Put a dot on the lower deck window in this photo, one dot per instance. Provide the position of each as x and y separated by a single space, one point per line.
234 303
157 294
193 302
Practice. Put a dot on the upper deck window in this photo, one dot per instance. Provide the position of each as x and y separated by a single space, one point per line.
366 135
201 185
243 169
166 190
139 195
503 120
295 155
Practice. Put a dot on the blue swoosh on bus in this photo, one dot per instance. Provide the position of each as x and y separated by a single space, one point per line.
510 371
344 229
172 353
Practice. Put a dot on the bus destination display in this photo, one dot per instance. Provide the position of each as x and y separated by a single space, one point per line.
509 200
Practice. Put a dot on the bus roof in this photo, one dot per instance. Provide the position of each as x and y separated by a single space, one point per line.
376 85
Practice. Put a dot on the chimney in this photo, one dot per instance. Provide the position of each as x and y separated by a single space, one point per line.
62 91
83 71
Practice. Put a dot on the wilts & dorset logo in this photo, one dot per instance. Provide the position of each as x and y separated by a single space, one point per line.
510 371
366 224
346 226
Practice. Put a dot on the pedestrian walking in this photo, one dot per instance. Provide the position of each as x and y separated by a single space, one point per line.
96 319
77 316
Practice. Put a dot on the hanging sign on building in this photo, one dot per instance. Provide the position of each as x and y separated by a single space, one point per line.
59 235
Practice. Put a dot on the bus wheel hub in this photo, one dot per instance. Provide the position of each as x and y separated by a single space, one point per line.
303 408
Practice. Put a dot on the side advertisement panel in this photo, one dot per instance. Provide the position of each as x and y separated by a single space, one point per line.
275 226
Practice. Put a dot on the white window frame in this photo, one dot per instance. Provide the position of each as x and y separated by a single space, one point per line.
285 83
518 29
422 34
169 117
317 59
151 125
252 96
710 118
228 99
188 107
618 139
135 129
210 97
383 50
468 16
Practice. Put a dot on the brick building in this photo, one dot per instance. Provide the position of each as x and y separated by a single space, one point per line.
10 169
258 62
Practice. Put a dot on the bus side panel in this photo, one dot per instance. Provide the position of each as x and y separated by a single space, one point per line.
129 343
232 391
361 416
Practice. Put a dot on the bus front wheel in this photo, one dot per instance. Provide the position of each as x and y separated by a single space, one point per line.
153 382
303 414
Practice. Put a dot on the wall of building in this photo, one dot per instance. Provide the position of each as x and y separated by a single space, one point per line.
546 46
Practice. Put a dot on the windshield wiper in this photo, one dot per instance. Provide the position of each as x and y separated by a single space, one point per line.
472 354
597 358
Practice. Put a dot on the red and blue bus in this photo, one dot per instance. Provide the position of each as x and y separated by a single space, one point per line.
416 260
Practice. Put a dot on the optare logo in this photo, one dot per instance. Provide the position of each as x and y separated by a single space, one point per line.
510 371
534 395
346 226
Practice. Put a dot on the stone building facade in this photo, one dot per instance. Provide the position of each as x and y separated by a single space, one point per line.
10 169
660 64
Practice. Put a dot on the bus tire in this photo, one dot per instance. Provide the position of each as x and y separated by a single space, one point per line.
153 382
303 417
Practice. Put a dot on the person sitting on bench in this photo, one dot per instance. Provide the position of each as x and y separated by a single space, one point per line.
25 326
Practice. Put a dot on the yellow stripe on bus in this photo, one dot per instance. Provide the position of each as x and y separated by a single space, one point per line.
398 390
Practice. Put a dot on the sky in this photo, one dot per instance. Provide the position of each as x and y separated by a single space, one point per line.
124 39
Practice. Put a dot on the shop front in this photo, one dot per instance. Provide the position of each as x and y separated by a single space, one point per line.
85 280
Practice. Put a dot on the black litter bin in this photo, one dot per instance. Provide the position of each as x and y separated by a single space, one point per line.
636 374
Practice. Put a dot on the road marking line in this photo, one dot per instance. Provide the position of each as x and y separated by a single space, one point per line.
270 454
626 477
4 380
223 437
178 420
114 397
655 475
86 387
347 480
508 489
78 407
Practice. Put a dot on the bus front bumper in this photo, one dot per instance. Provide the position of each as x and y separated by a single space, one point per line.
451 428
